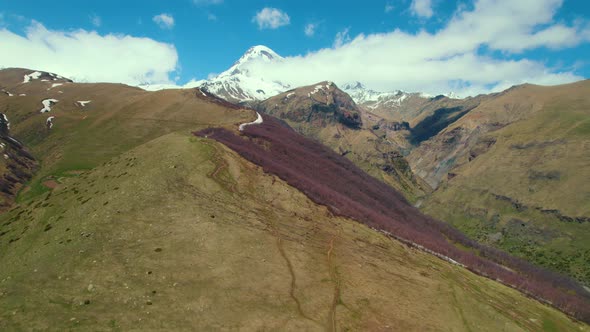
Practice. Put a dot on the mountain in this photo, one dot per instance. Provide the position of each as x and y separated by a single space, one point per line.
133 222
373 99
396 105
327 114
319 104
237 84
514 172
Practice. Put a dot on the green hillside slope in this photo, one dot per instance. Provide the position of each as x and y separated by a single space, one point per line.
522 185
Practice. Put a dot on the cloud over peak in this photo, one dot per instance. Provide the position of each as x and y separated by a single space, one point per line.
461 56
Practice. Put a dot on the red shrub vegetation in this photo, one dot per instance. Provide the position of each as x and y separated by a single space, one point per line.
332 180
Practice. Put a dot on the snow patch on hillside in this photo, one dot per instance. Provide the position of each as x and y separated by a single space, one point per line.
54 85
6 120
32 76
47 103
49 122
319 88
257 121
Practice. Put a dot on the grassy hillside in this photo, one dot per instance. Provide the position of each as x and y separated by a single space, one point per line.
181 233
117 119
522 184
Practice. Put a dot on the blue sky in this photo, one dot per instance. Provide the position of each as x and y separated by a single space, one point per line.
191 39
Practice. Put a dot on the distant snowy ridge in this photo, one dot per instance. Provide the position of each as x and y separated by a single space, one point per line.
361 94
373 99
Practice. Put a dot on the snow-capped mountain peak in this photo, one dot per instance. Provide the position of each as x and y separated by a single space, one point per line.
237 84
352 86
253 54
259 52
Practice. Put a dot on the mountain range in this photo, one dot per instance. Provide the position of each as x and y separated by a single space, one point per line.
338 208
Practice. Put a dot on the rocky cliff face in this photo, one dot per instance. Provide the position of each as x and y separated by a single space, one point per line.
319 105
17 165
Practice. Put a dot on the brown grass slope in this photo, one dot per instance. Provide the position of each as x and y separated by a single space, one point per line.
118 118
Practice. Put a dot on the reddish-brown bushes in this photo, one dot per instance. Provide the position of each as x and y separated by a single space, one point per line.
332 180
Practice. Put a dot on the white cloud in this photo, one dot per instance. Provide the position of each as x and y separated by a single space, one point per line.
452 58
165 21
271 18
342 38
211 17
310 29
422 8
389 7
95 20
86 56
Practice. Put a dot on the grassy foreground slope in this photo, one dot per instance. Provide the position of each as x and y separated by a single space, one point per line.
182 233
521 179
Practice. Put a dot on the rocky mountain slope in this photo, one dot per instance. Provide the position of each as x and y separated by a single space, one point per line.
327 114
514 171
131 222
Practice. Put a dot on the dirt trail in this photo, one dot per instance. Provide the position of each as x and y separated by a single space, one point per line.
220 165
336 281
292 273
